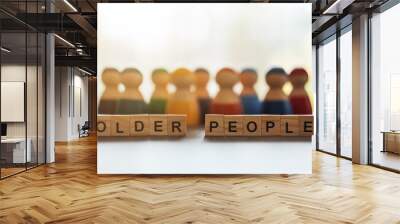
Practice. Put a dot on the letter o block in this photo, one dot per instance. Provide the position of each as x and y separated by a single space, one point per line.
103 125
214 125
233 125
139 125
251 125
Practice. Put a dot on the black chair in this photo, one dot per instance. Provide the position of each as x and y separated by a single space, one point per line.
84 130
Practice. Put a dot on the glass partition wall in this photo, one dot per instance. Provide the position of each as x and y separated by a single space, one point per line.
22 77
334 94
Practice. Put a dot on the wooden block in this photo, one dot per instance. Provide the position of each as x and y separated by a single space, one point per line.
158 125
177 125
251 125
233 125
103 125
270 125
139 125
120 125
214 125
290 125
306 125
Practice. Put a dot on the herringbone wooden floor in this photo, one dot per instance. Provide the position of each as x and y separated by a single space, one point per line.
70 191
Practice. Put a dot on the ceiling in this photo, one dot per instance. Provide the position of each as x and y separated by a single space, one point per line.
75 22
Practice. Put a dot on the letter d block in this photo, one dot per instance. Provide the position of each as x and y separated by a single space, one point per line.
214 125
139 125
177 125
103 125
306 125
158 125
270 125
233 125
120 125
290 125
251 125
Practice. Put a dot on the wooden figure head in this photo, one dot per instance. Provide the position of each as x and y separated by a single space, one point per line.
182 78
201 77
276 78
160 77
298 77
111 77
227 78
131 78
248 77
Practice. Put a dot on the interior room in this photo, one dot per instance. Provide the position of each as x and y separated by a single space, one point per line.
146 111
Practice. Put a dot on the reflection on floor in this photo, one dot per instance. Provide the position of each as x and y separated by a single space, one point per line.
70 191
387 159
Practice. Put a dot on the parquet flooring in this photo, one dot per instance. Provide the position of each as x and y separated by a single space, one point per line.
70 191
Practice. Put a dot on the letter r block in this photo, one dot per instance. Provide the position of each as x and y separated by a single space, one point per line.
270 125
177 125
214 125
139 125
120 125
233 125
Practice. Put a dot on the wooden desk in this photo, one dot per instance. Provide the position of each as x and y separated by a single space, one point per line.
13 150
391 141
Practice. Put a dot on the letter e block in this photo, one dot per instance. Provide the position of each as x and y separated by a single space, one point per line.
306 125
290 125
177 125
251 125
214 125
158 125
139 125
103 125
270 125
120 125
233 125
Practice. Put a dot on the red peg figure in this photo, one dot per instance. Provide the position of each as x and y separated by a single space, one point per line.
184 101
226 101
201 78
109 100
298 98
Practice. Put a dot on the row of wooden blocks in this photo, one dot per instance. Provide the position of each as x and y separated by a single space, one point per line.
258 125
141 125
215 125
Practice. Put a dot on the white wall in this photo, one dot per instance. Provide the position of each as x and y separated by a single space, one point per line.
71 93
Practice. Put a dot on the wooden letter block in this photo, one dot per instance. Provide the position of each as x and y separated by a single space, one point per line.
233 125
270 125
158 125
214 125
120 125
177 125
306 125
251 125
139 125
103 125
290 125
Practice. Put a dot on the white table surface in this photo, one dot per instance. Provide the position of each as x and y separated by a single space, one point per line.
196 155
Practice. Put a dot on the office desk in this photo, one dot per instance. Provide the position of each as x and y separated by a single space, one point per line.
13 150
391 141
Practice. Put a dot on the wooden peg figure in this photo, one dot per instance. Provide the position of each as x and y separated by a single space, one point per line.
201 79
109 100
276 101
184 101
158 101
250 102
226 101
298 98
131 101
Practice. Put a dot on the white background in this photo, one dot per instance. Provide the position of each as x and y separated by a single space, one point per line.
148 36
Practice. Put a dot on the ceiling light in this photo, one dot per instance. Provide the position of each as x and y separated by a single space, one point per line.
70 5
64 40
5 50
